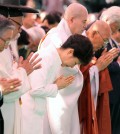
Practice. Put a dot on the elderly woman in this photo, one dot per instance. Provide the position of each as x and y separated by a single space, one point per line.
6 32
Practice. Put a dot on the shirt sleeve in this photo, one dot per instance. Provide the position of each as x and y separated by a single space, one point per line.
21 74
41 80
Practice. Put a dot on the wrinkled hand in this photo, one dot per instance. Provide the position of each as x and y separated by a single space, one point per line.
104 61
114 51
10 85
63 82
106 58
31 63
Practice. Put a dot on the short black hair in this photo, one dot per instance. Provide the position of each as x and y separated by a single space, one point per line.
57 16
50 18
83 48
24 38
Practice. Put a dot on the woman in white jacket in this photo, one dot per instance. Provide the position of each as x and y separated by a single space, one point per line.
45 83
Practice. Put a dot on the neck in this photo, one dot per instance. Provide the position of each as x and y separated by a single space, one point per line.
60 52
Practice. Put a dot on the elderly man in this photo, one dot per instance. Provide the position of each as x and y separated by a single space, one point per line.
99 39
10 69
116 36
62 110
112 17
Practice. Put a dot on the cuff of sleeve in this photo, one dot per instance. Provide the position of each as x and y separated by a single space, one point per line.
118 63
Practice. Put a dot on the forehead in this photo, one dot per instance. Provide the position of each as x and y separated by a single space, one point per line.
83 17
17 19
82 14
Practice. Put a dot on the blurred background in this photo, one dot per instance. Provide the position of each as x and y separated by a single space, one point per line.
91 5
35 26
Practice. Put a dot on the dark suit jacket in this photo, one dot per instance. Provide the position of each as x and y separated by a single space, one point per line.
1 118
114 70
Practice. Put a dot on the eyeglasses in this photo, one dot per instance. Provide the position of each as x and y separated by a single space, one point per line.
16 23
6 42
105 41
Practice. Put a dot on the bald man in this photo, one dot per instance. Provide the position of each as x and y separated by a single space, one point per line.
62 110
99 39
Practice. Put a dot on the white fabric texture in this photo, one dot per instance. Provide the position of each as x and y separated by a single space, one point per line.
94 80
10 107
42 86
62 110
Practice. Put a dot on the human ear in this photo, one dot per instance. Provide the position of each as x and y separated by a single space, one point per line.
70 51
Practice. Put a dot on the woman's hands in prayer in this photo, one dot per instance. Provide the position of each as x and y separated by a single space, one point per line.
63 81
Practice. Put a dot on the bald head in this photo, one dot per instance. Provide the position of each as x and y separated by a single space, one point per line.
99 33
102 27
74 10
76 17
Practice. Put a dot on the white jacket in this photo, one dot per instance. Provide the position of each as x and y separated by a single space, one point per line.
11 109
42 86
62 110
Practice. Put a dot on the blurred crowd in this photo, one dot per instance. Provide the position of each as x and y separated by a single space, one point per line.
60 67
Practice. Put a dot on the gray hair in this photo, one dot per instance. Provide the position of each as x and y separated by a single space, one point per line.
5 24
111 15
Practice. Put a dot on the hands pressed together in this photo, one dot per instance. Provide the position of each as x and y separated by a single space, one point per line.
63 81
106 58
31 63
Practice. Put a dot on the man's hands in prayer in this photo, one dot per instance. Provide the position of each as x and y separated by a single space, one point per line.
9 85
63 82
31 63
106 58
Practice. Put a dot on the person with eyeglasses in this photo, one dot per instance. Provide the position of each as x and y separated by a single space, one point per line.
11 67
112 17
6 84
6 32
96 70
